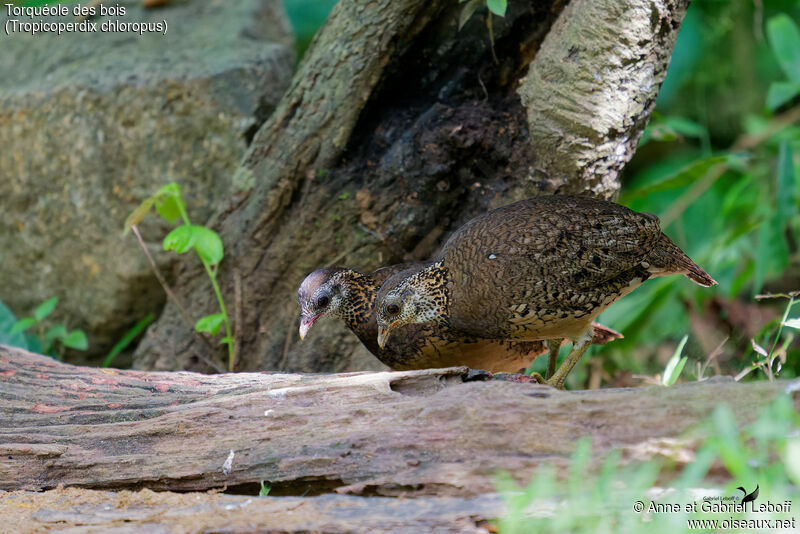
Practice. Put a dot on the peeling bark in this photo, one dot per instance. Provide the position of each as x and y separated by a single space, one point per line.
397 129
389 434
593 84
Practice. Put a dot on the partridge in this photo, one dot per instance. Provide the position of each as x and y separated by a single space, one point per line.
538 269
350 296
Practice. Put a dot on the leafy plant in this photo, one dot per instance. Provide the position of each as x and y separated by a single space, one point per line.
766 360
169 204
52 339
265 488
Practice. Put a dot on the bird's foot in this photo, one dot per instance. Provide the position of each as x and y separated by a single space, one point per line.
536 377
553 382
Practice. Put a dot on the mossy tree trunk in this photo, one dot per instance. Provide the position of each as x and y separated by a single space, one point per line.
396 129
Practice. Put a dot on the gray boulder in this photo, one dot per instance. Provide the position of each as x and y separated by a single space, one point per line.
92 123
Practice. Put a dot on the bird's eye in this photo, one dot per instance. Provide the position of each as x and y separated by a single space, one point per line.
322 301
392 309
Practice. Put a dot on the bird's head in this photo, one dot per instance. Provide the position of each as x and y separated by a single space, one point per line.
416 297
322 292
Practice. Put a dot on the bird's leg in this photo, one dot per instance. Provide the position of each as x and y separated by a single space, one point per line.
579 346
553 346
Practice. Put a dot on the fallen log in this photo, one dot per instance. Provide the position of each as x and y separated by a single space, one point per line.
81 510
379 433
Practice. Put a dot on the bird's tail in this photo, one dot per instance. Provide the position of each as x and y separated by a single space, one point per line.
667 258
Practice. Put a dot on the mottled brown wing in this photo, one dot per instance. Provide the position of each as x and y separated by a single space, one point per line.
543 259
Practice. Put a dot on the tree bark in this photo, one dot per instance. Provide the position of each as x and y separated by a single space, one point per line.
411 433
398 128
145 510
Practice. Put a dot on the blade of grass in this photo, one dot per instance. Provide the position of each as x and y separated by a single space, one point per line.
126 339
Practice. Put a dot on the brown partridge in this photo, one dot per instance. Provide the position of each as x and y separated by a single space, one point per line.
538 269
350 296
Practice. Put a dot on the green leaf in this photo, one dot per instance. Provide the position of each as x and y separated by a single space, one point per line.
675 364
227 340
127 338
172 189
169 202
784 38
265 487
684 177
35 344
208 245
210 324
76 340
772 253
7 322
787 205
781 92
206 242
180 239
45 308
22 325
138 214
498 7
467 11
59 331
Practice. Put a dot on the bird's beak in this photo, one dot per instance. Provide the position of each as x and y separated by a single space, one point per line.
306 323
383 334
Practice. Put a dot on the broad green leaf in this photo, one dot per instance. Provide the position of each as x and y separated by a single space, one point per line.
126 339
498 7
180 239
169 202
467 11
171 208
76 340
7 321
781 92
208 245
59 331
675 364
138 214
784 38
172 189
787 205
22 325
45 308
210 324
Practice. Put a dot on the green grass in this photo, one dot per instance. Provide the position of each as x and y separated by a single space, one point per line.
765 453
